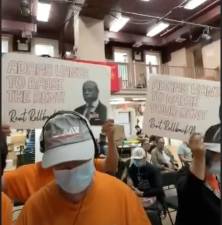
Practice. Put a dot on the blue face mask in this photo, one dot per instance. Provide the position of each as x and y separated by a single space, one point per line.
75 180
139 162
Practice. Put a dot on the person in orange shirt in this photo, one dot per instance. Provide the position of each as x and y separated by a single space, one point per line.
6 209
79 195
21 183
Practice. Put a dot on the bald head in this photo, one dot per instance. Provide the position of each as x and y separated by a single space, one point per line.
90 91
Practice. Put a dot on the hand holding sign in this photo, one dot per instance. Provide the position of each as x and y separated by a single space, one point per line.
6 129
197 146
108 129
33 88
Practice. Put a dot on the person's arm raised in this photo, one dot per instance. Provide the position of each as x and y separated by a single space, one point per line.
198 165
111 161
6 129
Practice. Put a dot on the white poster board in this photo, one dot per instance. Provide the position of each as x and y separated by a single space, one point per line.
177 107
33 88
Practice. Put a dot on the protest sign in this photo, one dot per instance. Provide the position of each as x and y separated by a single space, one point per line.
177 107
34 87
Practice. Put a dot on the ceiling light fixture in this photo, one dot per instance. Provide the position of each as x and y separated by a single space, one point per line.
118 24
157 28
192 4
139 99
43 11
144 0
118 99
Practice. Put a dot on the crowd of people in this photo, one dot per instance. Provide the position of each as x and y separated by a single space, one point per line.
72 186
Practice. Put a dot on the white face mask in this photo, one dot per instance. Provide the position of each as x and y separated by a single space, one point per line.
77 179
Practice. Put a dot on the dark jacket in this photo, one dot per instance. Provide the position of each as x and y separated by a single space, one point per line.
148 180
98 117
197 204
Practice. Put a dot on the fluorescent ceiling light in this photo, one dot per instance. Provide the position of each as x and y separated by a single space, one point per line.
118 99
43 10
192 4
118 24
139 99
158 28
119 103
145 0
68 53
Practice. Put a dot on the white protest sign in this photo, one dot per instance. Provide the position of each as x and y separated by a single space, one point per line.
33 88
177 107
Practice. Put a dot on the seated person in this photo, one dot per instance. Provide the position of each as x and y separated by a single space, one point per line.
21 183
144 178
146 147
185 154
153 142
199 194
162 157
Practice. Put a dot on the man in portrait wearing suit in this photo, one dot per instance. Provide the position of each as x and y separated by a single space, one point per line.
93 110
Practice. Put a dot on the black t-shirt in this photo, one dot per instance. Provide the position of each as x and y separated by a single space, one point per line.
198 205
147 179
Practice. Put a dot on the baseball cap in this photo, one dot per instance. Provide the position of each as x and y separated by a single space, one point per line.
66 137
138 153
212 139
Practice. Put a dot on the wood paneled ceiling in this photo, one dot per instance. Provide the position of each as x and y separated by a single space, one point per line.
60 21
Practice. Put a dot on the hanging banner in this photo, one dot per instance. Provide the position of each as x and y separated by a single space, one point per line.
115 78
177 107
34 87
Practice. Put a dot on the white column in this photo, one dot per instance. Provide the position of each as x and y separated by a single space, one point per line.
90 36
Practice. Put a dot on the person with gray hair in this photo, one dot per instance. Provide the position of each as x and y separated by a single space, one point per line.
93 110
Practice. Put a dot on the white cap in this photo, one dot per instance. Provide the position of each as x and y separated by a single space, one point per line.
214 147
66 137
138 153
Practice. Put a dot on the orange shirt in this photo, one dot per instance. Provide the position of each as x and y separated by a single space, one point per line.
107 202
21 183
6 210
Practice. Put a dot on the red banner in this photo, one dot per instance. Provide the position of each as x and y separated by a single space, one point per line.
115 79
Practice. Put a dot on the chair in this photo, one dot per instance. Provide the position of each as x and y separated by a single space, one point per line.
154 217
122 169
169 179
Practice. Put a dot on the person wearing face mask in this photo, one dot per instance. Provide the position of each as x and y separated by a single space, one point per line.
199 190
20 184
79 195
144 178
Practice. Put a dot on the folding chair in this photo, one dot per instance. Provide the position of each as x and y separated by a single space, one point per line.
154 217
169 179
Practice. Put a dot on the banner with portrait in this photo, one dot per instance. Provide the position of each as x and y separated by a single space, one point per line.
34 87
177 107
